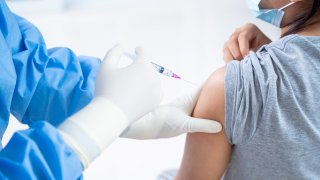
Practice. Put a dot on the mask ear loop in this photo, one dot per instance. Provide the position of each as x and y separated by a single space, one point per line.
286 6
282 8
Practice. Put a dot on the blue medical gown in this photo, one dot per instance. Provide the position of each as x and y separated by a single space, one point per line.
41 87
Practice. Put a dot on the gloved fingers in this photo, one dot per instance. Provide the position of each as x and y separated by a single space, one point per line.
194 96
113 56
142 55
143 61
187 102
203 125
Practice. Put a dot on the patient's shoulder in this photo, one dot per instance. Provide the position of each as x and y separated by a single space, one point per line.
211 99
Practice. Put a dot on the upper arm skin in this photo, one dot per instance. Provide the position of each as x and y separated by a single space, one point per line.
206 156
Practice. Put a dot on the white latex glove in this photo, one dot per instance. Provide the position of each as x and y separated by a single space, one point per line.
122 96
171 120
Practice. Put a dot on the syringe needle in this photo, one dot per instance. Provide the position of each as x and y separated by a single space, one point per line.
192 83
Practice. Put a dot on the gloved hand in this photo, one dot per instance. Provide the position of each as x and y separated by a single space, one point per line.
122 96
171 120
246 38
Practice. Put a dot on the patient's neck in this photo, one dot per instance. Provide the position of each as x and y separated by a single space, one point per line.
312 29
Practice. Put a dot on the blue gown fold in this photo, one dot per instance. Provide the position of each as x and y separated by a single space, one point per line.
41 87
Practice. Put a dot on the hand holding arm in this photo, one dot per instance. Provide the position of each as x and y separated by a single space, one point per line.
171 120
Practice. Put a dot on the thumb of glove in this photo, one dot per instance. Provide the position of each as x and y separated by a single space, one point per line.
202 125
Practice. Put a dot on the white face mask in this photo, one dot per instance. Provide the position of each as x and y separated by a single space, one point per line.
272 16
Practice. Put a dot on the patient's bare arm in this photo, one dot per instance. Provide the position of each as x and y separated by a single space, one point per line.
206 156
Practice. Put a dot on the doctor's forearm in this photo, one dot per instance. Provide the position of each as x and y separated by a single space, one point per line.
39 153
51 84
40 83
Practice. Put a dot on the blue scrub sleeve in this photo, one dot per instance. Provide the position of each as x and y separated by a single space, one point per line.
39 83
39 153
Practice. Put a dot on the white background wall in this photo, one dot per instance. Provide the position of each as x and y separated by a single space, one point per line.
185 35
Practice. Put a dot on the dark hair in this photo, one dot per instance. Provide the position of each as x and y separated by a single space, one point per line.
300 23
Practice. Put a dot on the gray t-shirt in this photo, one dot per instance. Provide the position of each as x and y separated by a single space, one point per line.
273 111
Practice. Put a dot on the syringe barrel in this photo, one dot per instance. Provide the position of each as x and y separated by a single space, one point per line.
162 70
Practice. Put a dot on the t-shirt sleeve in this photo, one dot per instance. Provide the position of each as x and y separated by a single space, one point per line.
247 84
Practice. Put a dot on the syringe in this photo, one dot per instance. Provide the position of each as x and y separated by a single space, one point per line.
164 71
169 73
